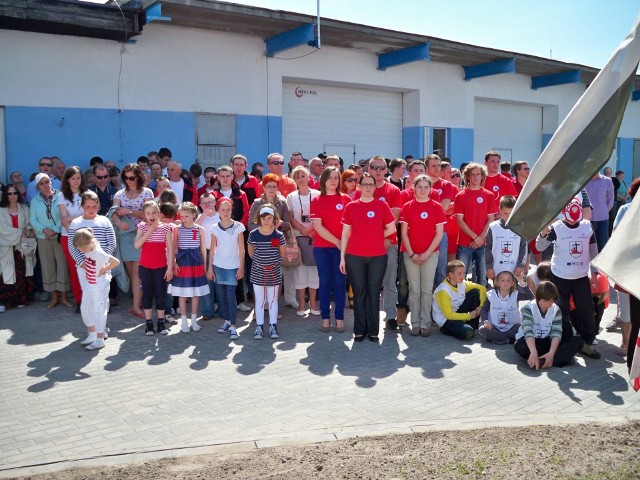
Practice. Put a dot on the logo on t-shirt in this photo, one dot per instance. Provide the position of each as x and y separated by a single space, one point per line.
382 199
439 190
371 214
496 188
424 215
339 206
506 248
575 249
503 318
480 200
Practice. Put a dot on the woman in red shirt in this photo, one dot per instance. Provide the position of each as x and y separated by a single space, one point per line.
366 223
326 217
422 224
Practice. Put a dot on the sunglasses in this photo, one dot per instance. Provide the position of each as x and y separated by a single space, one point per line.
455 175
276 163
379 167
350 180
12 193
44 182
130 179
102 177
46 165
525 168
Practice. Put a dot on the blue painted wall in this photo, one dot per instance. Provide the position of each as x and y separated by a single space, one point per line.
624 149
413 142
546 138
460 145
257 136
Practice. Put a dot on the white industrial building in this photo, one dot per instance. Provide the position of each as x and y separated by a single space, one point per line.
209 79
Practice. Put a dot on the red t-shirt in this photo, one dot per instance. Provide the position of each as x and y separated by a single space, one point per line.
500 186
367 222
154 251
474 206
422 218
409 194
329 209
517 186
390 194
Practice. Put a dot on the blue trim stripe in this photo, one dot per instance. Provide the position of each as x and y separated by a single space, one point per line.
491 68
406 55
571 76
302 35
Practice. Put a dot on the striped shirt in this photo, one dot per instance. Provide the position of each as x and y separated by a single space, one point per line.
102 231
188 238
266 257
94 261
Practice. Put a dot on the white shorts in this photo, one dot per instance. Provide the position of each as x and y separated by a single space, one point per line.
625 307
305 277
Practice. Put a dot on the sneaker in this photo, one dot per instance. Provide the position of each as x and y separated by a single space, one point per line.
194 326
162 329
184 326
233 334
590 352
148 329
243 308
89 340
225 327
273 331
425 332
106 333
595 342
621 350
415 331
170 320
259 333
613 325
97 345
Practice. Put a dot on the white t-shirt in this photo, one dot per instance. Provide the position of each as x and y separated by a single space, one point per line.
226 193
207 223
457 298
94 261
227 255
505 248
178 189
73 208
504 313
301 205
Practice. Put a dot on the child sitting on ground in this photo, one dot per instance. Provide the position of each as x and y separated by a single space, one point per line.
500 312
540 338
458 303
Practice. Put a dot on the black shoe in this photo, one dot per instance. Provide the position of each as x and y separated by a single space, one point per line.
358 338
392 325
161 328
374 338
78 308
148 329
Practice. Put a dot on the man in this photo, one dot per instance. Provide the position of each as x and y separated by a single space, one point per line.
152 156
315 170
58 168
275 165
143 163
602 197
445 170
183 188
296 159
103 188
496 182
45 165
520 171
505 169
210 178
196 175
92 162
156 173
391 194
247 183
333 161
397 167
164 157
110 163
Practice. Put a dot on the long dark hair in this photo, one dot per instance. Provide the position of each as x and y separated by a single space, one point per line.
135 169
4 201
65 188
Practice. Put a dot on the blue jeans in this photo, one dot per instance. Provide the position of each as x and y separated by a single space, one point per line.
208 301
441 269
601 231
328 262
468 255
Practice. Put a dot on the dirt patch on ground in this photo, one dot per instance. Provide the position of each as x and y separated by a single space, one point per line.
590 451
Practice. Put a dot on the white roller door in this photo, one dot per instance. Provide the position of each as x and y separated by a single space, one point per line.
319 118
512 129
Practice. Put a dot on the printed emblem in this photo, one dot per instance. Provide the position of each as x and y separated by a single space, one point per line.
371 214
339 206
496 188
382 199
424 215
480 200
573 211
439 190
503 318
575 249
506 248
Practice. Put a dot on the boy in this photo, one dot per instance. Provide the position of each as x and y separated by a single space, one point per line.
540 339
458 303
504 250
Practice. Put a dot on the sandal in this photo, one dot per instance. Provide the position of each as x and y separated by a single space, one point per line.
340 328
415 331
134 313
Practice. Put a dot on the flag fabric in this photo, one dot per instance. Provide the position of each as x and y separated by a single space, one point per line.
634 373
581 145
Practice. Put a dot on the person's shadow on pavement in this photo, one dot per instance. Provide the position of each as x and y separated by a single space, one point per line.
64 365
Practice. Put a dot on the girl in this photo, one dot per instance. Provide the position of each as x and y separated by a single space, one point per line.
422 225
363 256
72 188
227 263
266 248
500 312
95 280
154 239
190 280
208 218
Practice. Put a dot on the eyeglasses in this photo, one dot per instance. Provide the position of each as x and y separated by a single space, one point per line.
130 179
271 186
276 163
44 182
379 167
350 180
367 185
102 177
525 168
46 165
12 193
455 175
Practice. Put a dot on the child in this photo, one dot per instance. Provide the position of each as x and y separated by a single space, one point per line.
266 247
575 246
227 263
540 338
600 296
154 240
168 212
190 280
208 218
458 303
95 286
504 250
500 312
542 273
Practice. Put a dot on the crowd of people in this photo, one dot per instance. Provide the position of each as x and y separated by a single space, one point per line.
426 239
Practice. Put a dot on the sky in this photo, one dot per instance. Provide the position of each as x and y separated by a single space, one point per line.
575 31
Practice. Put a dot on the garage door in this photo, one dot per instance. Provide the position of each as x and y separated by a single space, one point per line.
352 123
512 129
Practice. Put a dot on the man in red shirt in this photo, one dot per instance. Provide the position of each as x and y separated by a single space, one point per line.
275 165
495 181
475 208
247 183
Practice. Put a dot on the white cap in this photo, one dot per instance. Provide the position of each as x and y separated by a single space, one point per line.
266 210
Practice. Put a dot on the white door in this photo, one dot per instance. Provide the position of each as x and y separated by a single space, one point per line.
509 128
315 116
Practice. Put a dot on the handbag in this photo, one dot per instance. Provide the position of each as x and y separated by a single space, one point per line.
291 256
305 244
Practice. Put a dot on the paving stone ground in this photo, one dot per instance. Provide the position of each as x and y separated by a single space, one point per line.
182 394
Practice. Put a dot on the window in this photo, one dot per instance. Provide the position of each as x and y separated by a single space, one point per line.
215 139
440 142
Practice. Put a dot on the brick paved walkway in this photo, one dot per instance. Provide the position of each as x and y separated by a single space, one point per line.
186 394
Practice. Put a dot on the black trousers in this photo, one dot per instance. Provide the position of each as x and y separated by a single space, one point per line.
567 349
154 286
580 290
365 276
635 327
458 328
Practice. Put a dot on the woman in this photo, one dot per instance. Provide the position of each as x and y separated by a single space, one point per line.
271 196
363 256
326 216
46 221
126 217
422 224
299 203
456 178
18 182
349 183
16 281
72 188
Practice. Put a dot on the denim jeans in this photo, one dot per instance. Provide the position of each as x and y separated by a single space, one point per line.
365 276
208 301
468 255
601 231
458 328
441 269
403 282
390 290
328 262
